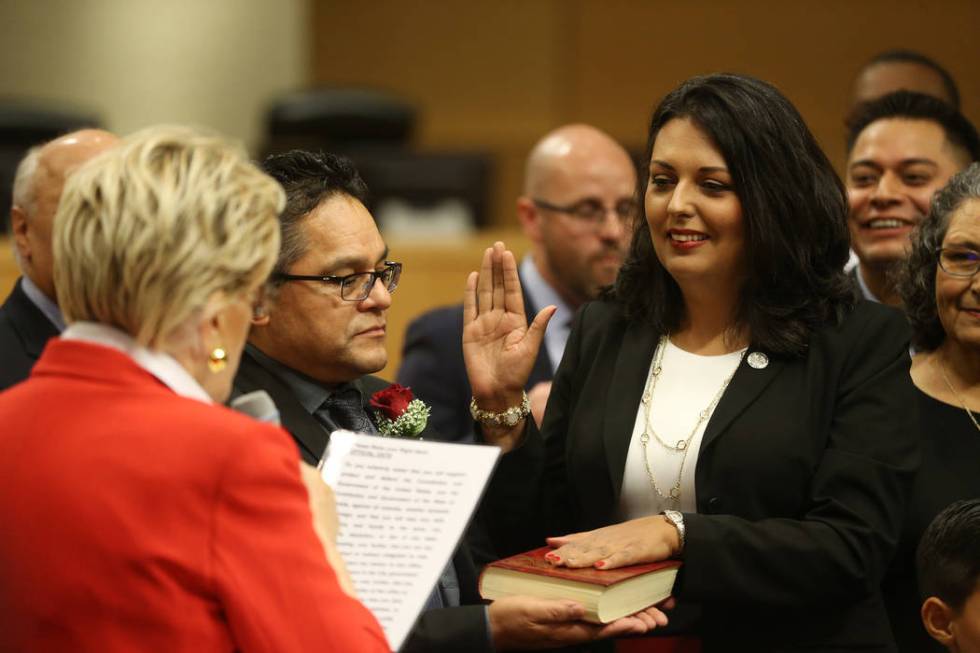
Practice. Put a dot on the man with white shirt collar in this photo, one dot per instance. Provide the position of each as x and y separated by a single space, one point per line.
579 187
902 148
30 316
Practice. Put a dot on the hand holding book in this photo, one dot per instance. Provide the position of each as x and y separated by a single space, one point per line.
524 622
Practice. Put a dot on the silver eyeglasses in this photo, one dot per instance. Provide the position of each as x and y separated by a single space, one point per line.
591 211
959 261
353 287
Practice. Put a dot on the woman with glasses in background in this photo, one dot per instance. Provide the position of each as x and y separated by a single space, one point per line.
941 290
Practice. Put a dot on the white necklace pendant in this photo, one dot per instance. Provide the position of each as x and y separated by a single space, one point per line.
675 493
757 360
681 445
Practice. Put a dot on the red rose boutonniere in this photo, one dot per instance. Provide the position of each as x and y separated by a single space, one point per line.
398 413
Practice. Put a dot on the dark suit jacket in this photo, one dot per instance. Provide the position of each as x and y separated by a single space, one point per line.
24 330
802 477
432 365
461 628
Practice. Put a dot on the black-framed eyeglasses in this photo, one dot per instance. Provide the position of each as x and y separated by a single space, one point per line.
959 261
591 211
353 287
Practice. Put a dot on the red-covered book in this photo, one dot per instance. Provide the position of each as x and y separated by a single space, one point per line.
606 595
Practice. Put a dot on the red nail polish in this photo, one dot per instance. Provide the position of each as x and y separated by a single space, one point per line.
600 564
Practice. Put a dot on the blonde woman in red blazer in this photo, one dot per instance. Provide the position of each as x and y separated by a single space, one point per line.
137 513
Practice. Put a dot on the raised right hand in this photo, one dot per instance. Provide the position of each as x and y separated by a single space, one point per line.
499 347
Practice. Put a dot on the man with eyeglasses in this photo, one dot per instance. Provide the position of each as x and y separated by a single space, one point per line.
902 148
314 347
576 211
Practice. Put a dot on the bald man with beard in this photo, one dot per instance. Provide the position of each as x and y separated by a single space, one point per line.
576 211
30 316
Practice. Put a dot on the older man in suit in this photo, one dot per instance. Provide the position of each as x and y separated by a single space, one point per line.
30 316
578 198
314 348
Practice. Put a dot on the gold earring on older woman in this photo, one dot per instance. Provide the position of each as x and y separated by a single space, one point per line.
217 360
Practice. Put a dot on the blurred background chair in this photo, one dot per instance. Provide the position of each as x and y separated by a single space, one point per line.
412 193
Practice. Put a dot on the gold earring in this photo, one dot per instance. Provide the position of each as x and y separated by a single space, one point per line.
218 360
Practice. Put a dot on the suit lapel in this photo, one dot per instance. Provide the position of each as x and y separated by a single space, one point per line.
623 398
309 435
33 326
745 386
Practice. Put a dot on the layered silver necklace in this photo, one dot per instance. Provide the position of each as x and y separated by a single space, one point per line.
682 445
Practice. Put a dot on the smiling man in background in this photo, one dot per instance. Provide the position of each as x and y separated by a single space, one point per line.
902 148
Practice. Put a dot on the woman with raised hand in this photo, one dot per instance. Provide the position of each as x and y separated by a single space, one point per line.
941 292
726 402
138 513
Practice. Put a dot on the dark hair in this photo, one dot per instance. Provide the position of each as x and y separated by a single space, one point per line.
910 56
948 557
916 106
308 178
794 208
917 283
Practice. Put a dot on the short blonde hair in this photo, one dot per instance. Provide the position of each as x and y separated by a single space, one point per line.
149 231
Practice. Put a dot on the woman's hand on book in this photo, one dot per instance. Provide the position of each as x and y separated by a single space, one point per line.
523 622
647 539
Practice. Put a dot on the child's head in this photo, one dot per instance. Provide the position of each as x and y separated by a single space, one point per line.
948 563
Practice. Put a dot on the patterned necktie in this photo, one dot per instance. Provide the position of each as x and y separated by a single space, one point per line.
345 409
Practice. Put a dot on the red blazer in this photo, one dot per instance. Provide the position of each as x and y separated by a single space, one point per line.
134 519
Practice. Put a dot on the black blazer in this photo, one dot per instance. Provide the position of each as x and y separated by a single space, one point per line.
462 628
801 479
24 330
432 365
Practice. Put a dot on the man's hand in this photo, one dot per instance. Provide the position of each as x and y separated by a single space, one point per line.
647 539
499 347
523 622
325 523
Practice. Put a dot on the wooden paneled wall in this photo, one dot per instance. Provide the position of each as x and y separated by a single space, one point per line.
8 267
497 74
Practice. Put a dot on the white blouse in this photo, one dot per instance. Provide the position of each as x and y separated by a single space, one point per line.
688 383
